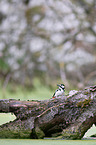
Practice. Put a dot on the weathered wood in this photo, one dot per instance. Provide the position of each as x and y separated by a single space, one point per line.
66 117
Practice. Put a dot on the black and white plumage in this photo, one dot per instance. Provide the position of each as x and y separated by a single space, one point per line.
59 92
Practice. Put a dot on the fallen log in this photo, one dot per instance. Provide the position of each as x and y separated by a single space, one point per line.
66 117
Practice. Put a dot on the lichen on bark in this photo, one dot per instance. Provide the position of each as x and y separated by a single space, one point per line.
67 118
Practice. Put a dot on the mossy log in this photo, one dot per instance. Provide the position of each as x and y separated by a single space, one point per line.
66 117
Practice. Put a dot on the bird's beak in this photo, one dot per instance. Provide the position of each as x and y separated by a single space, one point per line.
58 85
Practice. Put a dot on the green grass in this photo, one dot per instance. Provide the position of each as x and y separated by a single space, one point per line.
41 93
91 131
6 117
38 92
46 142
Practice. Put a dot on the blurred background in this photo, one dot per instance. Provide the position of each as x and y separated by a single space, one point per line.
46 42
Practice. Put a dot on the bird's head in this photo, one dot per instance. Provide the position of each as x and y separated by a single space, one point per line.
62 86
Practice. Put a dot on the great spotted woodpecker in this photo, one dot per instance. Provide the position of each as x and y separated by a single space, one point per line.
59 92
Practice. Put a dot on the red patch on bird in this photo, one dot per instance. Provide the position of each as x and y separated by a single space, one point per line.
53 97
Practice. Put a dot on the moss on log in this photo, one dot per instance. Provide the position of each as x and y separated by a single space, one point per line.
66 117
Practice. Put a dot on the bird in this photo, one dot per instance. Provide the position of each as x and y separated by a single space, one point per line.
59 92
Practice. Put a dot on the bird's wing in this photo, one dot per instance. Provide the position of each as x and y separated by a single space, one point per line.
55 92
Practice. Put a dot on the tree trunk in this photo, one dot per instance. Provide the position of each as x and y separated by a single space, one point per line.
66 117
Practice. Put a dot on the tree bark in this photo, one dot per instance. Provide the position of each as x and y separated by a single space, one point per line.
66 117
